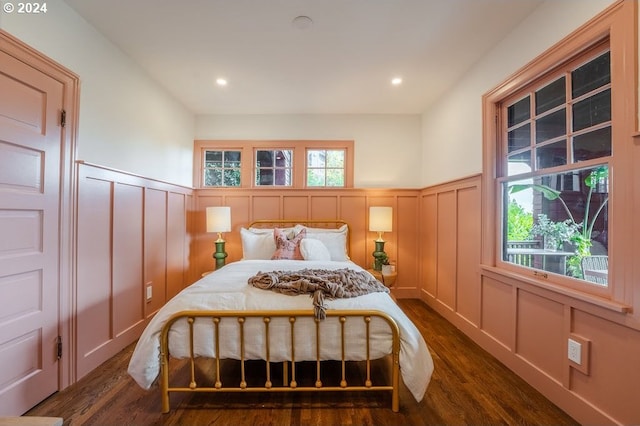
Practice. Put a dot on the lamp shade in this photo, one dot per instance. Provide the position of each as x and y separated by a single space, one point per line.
380 219
218 219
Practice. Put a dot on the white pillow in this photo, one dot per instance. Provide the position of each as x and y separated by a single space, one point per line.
313 249
257 245
334 239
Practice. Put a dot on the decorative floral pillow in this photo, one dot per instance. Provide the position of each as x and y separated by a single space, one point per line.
287 248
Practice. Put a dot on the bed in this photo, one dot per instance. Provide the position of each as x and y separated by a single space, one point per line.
222 317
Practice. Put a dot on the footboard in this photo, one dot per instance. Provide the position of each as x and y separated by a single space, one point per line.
289 384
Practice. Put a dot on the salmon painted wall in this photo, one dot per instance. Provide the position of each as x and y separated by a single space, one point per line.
523 325
132 234
350 205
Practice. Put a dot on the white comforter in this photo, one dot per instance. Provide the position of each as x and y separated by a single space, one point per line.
227 289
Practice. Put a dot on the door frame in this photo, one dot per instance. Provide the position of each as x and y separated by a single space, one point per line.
67 203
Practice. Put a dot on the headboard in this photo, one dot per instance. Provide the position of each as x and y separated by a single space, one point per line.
286 223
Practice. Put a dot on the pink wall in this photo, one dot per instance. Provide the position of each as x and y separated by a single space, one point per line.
350 205
132 233
523 325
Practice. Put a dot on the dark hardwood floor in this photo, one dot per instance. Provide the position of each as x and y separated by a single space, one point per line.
468 387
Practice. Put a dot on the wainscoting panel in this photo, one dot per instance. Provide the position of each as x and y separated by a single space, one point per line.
94 315
524 325
498 311
429 244
468 231
295 207
267 207
615 351
324 208
540 333
446 247
353 209
127 264
177 247
450 236
156 255
408 246
132 232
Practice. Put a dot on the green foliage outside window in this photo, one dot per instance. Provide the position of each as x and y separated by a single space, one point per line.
325 168
519 222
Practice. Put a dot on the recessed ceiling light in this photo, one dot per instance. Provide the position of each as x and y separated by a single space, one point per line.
302 22
221 81
396 81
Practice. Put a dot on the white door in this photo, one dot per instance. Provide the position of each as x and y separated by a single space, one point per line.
30 150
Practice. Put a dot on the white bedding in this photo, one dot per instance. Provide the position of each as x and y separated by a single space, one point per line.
227 289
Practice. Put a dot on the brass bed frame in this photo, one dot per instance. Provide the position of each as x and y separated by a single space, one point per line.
289 384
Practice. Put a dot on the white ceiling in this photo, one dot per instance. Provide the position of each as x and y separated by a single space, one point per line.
341 64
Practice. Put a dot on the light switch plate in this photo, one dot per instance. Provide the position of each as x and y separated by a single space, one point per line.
578 353
575 351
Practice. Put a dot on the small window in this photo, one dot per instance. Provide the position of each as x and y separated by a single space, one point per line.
274 167
292 164
222 168
325 167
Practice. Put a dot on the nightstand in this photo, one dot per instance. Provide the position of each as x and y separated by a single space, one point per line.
387 279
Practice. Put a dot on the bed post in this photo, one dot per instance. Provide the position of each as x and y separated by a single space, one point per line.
164 370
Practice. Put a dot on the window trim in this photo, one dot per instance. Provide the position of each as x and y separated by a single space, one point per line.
248 149
617 23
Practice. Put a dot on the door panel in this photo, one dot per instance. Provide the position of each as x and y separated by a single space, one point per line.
30 149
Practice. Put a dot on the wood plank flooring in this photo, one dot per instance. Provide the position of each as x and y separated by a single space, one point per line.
468 387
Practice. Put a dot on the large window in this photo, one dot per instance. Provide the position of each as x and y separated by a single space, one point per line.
281 164
559 162
555 160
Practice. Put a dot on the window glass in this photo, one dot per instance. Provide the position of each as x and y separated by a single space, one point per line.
551 96
222 168
551 126
592 145
551 155
519 163
594 110
519 138
595 73
519 112
274 167
554 222
325 167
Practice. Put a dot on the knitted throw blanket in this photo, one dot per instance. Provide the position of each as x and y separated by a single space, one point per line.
319 283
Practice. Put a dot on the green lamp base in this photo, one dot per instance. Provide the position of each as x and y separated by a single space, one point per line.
220 254
379 255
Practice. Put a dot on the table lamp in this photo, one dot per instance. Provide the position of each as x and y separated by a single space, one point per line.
219 220
380 220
